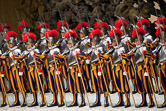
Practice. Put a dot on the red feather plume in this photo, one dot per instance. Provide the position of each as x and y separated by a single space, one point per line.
11 34
103 24
72 33
118 23
158 31
117 32
52 33
96 32
23 24
160 20
83 24
140 30
62 23
144 22
45 25
6 25
30 35
1 28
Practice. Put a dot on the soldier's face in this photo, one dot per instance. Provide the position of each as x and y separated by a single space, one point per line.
162 39
81 35
114 42
62 34
69 45
137 42
11 45
41 35
27 46
49 45
93 42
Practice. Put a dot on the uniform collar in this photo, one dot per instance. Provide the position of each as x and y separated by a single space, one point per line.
15 47
98 45
43 38
54 46
86 37
29 49
124 36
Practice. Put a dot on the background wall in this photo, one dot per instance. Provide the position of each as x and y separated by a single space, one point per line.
34 11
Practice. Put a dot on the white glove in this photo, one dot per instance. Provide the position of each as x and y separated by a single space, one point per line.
156 40
20 72
0 52
142 49
85 41
57 72
74 53
105 43
146 73
10 54
51 52
124 73
147 37
99 72
32 53
2 74
79 74
96 52
87 61
125 40
120 51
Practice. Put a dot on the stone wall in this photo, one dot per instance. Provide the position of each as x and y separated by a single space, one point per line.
74 11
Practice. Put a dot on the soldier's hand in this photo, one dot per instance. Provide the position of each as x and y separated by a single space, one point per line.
32 53
96 52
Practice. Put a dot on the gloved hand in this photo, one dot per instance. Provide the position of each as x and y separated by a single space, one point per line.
32 53
74 53
120 51
125 40
105 43
142 49
85 41
156 40
52 52
88 60
57 72
96 52
11 55
147 38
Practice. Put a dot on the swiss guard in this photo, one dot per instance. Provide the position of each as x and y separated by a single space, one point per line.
62 26
119 76
128 45
16 68
4 28
42 46
107 44
74 76
142 81
96 76
3 71
161 52
84 45
150 45
33 73
54 68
